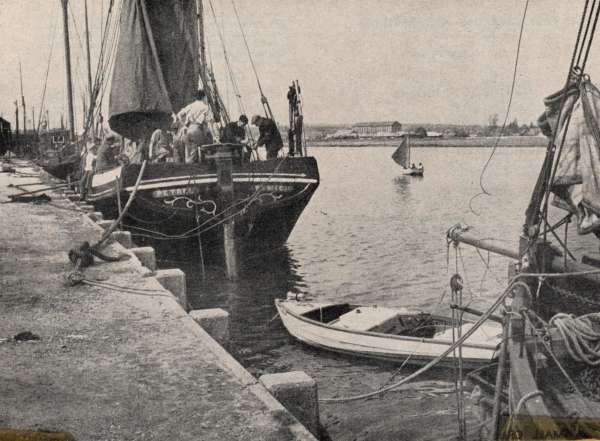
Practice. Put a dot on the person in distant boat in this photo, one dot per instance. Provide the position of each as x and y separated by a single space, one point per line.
193 122
235 133
413 165
420 165
160 148
269 135
89 165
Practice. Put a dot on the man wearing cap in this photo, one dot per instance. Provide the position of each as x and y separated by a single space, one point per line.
269 135
235 133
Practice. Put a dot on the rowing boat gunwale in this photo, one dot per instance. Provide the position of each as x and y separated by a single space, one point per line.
281 308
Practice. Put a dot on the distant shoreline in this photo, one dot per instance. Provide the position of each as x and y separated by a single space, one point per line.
504 141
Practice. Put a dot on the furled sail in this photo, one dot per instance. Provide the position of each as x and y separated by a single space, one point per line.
577 181
156 65
400 156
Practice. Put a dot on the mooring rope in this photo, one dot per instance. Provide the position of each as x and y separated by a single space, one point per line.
117 221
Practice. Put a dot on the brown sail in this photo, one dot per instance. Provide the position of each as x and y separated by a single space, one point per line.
156 65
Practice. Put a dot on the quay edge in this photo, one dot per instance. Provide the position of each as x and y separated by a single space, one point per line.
109 364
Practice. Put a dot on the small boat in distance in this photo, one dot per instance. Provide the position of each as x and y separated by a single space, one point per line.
385 333
402 156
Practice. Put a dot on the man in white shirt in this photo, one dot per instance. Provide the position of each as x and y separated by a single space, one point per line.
160 147
89 164
195 112
194 123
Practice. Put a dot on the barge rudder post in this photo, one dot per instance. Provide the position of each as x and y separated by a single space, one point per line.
224 161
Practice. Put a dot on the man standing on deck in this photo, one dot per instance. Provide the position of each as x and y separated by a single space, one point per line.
269 135
235 133
194 122
88 169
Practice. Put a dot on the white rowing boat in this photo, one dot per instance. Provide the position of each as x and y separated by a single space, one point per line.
385 333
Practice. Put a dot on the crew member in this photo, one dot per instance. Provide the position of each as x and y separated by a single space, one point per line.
193 123
235 133
88 169
160 146
269 135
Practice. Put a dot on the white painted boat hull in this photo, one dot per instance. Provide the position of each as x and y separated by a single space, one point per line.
381 346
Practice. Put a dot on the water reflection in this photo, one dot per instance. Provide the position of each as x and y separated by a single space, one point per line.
253 326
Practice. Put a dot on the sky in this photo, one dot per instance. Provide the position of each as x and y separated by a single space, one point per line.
414 61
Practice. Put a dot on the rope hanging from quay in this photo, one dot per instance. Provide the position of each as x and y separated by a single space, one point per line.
83 256
117 221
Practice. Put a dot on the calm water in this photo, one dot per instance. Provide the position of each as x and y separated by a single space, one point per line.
372 236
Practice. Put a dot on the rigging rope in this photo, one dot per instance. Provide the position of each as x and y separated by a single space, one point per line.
508 106
54 28
262 95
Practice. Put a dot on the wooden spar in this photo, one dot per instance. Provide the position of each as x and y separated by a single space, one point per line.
557 264
461 237
17 118
89 67
23 101
200 21
208 82
68 69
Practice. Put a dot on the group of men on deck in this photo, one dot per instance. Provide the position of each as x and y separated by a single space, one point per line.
193 126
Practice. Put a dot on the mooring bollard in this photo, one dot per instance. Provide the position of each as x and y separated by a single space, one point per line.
215 321
298 394
96 216
105 224
123 237
174 280
146 256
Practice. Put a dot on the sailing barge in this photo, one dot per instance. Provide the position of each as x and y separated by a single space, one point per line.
176 201
547 381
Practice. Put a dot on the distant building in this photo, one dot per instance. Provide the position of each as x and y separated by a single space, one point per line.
382 128
432 134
